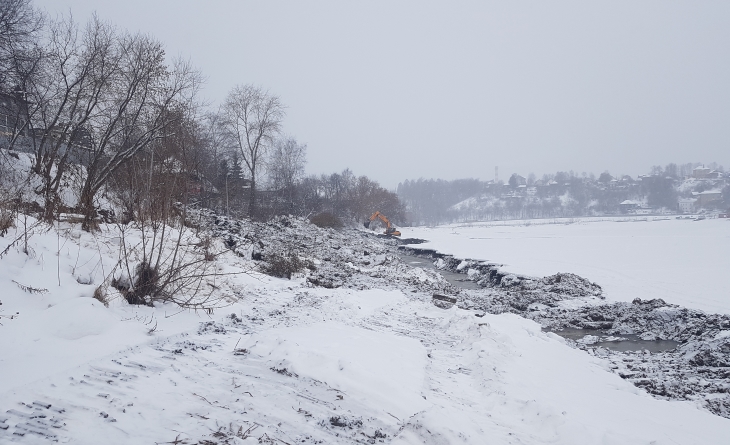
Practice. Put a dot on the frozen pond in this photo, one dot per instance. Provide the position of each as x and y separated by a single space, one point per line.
683 262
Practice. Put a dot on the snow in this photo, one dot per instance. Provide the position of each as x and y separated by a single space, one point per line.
380 369
290 362
580 401
680 261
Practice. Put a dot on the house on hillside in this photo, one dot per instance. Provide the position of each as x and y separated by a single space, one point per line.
13 110
707 197
628 206
686 205
701 172
517 180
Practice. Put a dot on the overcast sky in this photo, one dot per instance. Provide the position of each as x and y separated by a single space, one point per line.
399 90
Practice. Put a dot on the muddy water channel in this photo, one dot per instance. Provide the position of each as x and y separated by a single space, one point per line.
589 338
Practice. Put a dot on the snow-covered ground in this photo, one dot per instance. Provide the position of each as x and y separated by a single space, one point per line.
288 362
683 261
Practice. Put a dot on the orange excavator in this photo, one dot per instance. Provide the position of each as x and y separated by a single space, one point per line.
389 229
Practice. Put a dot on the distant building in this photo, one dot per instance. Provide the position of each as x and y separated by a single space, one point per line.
686 205
628 206
701 172
13 109
707 197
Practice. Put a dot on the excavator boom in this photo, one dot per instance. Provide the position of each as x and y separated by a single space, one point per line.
389 229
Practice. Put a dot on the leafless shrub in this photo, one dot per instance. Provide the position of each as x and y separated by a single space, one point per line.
7 220
31 289
147 283
268 440
167 264
29 229
10 185
283 265
206 244
9 317
326 220
101 295
226 433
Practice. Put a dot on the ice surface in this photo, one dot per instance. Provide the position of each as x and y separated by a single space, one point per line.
680 261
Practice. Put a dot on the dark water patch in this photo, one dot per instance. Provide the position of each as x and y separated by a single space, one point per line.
411 241
420 252
455 279
622 343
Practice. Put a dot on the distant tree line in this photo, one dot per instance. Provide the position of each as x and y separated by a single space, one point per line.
429 201
563 194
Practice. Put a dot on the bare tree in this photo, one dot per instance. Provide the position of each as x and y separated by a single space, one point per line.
74 75
19 26
214 136
136 111
286 166
251 119
20 54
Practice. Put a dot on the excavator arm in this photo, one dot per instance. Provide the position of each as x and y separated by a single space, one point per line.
389 229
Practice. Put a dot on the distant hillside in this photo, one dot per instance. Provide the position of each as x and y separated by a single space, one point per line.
567 195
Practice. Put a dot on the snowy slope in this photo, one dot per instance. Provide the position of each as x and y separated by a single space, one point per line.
680 261
292 363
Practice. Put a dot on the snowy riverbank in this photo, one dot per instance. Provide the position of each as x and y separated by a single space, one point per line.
366 359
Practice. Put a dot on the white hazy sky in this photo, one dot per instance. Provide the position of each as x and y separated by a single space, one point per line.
400 90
